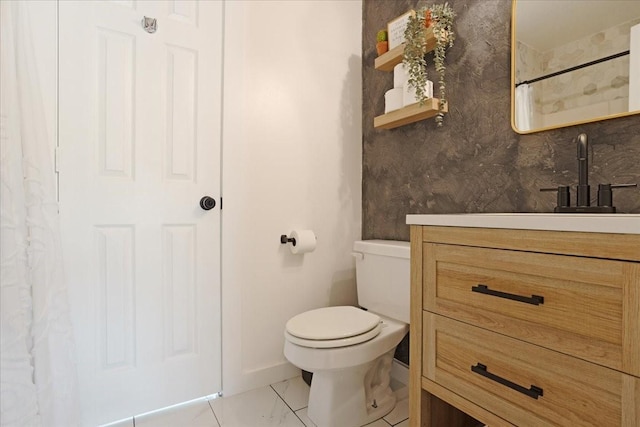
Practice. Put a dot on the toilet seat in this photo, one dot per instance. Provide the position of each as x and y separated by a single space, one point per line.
332 327
337 343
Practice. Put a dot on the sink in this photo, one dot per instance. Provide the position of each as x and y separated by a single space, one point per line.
588 223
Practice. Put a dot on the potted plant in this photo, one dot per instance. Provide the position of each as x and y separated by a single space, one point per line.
382 43
439 18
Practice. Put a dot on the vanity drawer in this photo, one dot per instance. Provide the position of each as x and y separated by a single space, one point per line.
585 307
525 384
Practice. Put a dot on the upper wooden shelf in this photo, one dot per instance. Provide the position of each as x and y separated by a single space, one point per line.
390 59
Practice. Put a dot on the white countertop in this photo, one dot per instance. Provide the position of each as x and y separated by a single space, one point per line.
590 223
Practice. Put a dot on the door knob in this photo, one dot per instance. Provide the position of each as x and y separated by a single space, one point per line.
207 203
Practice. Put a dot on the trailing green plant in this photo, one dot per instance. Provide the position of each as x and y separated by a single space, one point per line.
440 18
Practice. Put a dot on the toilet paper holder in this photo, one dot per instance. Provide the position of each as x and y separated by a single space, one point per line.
284 239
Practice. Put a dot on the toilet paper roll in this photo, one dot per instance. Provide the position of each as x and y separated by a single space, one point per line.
305 241
399 75
393 99
409 93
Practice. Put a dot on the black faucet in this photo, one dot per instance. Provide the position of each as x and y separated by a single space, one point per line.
583 200
583 189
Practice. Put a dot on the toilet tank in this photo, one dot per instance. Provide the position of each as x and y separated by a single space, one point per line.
383 277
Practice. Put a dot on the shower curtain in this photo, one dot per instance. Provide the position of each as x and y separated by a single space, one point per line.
38 382
524 107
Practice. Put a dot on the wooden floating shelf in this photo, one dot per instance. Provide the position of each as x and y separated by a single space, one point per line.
409 114
390 59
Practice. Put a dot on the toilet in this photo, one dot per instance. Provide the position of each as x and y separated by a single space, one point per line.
349 349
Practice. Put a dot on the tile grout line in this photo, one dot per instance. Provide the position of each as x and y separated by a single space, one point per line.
290 408
214 412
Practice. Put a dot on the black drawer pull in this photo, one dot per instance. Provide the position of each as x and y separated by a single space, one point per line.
484 289
533 391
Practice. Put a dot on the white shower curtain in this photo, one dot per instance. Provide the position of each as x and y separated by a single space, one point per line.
38 380
524 107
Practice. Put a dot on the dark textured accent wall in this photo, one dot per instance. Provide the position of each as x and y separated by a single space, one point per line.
476 162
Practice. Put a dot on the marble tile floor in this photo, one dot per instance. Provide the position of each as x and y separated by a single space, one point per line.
282 404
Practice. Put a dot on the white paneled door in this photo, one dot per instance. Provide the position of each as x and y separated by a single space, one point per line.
139 146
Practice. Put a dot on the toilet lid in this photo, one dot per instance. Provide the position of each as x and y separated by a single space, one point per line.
337 343
331 323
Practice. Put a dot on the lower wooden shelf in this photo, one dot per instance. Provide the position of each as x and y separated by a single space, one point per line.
409 114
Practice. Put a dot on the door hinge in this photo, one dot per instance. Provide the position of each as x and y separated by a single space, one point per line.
220 202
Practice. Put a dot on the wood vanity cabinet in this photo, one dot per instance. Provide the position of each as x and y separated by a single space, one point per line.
524 328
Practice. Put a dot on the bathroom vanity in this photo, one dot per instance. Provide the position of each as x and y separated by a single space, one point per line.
525 320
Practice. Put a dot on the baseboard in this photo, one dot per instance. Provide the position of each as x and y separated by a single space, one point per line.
256 378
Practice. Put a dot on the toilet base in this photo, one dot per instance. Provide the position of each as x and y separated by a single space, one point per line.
354 396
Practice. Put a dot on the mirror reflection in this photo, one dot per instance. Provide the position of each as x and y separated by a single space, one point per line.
574 62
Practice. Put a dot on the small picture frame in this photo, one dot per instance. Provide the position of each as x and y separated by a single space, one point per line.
395 29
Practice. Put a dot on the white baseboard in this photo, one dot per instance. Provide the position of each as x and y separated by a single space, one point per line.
256 378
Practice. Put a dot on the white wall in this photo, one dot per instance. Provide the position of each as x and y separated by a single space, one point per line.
291 159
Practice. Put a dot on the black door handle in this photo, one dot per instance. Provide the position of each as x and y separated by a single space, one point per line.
207 203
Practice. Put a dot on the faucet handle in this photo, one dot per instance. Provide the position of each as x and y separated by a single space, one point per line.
605 193
564 195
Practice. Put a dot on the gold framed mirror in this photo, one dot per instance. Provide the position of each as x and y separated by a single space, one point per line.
573 62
